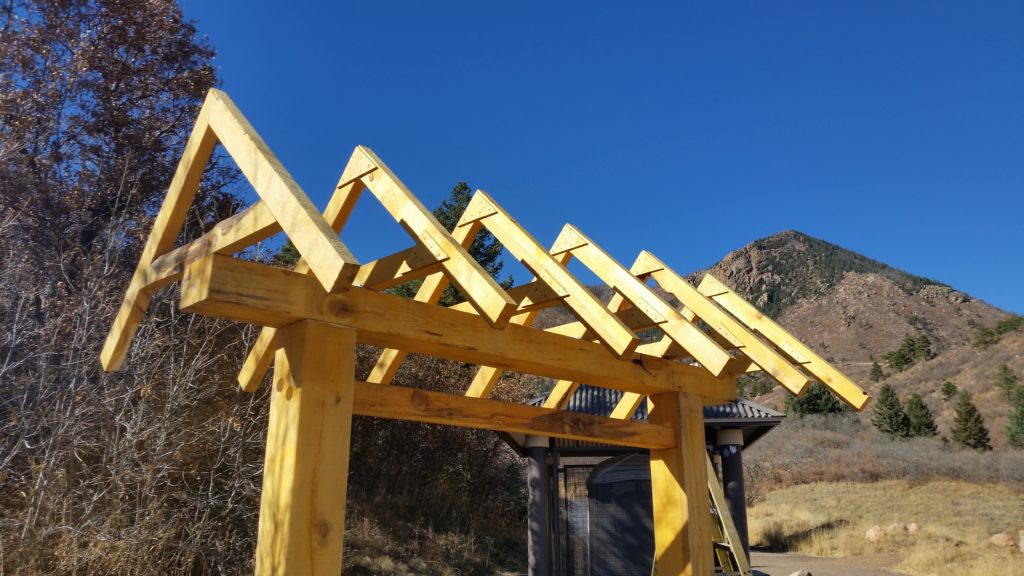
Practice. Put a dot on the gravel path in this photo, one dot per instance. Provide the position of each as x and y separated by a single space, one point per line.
786 564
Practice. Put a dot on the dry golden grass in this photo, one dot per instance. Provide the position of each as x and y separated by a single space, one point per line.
956 520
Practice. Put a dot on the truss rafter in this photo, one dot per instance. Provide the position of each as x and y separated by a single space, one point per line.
312 318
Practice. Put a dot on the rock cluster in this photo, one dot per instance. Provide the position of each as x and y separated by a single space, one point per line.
877 533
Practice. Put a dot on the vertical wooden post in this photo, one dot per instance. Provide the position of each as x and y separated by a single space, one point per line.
305 474
679 488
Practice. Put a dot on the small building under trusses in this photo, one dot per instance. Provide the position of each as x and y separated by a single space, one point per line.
590 503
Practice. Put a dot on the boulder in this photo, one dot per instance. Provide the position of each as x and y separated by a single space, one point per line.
1002 540
913 528
802 573
874 534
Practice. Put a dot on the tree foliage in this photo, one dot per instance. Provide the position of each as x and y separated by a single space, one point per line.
127 472
485 249
920 419
969 428
1006 380
1015 420
876 374
911 350
948 390
889 417
985 337
816 400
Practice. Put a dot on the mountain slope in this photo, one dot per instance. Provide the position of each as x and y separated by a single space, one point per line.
853 310
848 307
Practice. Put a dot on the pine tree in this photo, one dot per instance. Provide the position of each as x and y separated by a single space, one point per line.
1006 379
948 390
922 348
889 417
969 428
921 421
816 400
1015 422
485 249
876 372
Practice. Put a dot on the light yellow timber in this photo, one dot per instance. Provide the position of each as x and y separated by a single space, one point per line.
800 353
314 316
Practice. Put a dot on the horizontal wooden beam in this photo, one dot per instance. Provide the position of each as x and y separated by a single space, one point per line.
532 296
399 268
268 296
242 230
402 403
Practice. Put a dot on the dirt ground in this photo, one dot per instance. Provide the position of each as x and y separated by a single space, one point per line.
785 564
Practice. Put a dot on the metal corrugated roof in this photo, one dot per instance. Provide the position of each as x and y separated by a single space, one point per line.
752 418
601 402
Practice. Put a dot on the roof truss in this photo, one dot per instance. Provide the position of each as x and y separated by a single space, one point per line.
313 316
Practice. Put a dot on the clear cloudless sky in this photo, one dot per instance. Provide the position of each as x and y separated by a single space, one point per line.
895 129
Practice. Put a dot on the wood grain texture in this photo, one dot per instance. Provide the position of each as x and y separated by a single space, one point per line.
259 294
832 378
704 349
609 330
403 403
305 472
679 490
765 356
166 226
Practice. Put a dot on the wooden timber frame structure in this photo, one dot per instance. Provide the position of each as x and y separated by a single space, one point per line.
313 317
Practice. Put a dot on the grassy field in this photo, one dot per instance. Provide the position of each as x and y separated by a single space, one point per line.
956 520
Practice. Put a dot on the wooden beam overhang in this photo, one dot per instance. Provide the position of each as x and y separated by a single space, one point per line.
786 342
218 285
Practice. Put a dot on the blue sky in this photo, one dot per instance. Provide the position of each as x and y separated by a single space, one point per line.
895 129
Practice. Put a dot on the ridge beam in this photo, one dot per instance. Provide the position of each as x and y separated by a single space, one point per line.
701 346
648 265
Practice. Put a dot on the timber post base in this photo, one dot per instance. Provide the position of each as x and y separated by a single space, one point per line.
302 505
679 490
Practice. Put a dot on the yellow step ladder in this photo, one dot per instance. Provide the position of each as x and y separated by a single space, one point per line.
729 554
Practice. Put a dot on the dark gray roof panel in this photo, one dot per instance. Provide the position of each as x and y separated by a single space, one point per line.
601 402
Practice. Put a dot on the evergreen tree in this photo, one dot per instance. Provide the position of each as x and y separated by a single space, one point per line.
969 428
922 347
889 417
948 390
876 372
1006 379
903 357
816 400
485 248
921 421
984 337
1015 421
287 256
